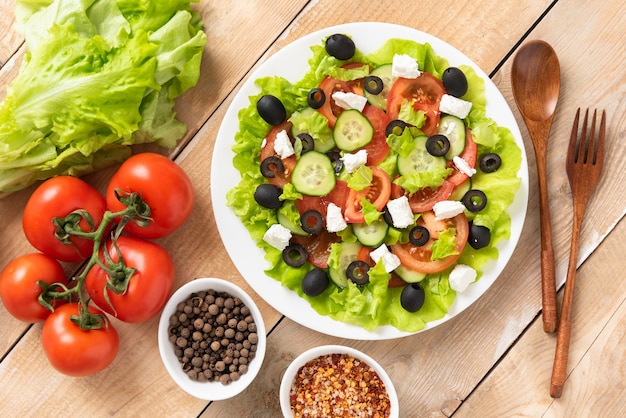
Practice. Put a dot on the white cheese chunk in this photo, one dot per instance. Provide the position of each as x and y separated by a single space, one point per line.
461 277
349 100
352 162
455 106
390 260
447 209
282 145
404 66
463 166
334 219
277 236
400 211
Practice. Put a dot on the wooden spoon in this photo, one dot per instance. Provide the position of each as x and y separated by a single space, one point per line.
535 76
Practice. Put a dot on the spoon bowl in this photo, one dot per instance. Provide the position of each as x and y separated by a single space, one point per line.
536 81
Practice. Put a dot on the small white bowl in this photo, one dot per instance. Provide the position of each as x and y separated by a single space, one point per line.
313 353
211 391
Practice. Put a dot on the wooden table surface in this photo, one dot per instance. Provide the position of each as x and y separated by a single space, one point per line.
492 360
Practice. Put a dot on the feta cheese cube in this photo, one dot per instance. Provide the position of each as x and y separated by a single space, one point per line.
352 162
461 277
404 66
447 209
349 100
455 106
463 166
277 236
282 145
334 219
390 260
400 211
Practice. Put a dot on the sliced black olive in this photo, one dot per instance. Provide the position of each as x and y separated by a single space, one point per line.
340 46
412 297
267 195
272 165
373 84
387 216
294 255
396 126
490 162
479 236
454 81
336 161
419 235
308 143
475 200
271 109
316 98
312 221
437 145
315 282
358 272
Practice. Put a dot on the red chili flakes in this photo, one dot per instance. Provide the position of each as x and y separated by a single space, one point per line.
338 385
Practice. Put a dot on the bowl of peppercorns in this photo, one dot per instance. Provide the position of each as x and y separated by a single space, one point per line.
211 338
336 380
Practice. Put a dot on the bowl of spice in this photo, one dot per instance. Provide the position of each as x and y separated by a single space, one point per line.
211 338
336 380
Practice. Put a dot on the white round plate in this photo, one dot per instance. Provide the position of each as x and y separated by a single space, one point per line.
249 258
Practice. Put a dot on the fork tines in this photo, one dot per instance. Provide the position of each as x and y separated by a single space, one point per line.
581 145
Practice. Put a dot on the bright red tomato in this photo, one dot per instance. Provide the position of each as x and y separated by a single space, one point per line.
317 246
19 288
148 288
419 258
75 352
423 92
280 178
162 184
424 199
377 193
57 198
330 109
378 148
469 155
337 196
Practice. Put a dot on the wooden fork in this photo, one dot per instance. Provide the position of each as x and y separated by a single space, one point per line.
584 165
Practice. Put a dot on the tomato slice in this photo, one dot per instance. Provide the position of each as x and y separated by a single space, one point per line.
378 148
377 193
424 92
424 199
337 196
469 155
356 86
419 258
281 178
317 246
330 109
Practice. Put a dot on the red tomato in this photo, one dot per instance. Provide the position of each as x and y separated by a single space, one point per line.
337 196
317 246
280 179
356 86
330 109
73 351
418 258
424 199
162 184
57 198
378 148
424 92
19 288
377 193
469 155
148 288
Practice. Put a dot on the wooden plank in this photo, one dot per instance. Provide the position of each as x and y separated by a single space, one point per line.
10 39
520 384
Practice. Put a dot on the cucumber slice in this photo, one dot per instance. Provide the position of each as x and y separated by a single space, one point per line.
313 174
380 99
408 275
373 234
419 160
460 190
454 129
347 254
352 130
323 139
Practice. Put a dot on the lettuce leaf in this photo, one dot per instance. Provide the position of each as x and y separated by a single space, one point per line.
97 76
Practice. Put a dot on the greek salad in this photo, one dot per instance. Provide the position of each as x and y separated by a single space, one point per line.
376 184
